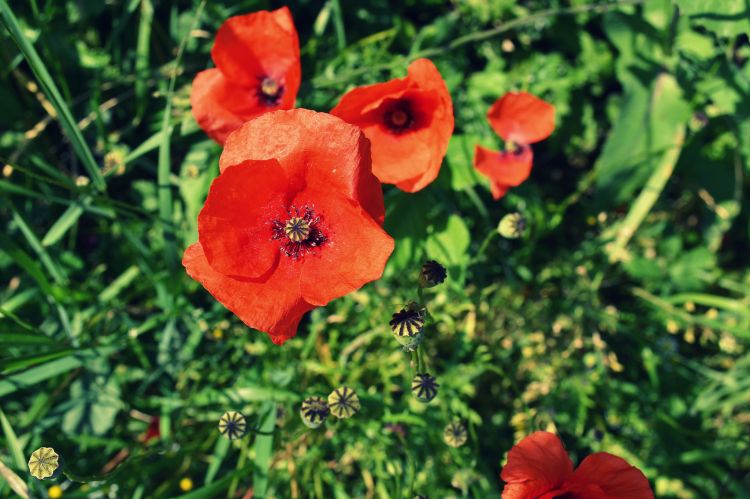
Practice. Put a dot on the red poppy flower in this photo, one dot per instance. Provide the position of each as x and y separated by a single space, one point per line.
409 122
293 221
521 120
539 468
257 71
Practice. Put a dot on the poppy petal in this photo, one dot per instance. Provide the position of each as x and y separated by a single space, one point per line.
536 465
355 252
253 46
272 306
522 118
603 475
311 147
409 158
220 107
505 169
234 224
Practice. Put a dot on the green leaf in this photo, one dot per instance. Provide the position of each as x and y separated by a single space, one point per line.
31 377
96 402
727 18
53 94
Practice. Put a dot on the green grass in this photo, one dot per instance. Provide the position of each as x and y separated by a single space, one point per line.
619 320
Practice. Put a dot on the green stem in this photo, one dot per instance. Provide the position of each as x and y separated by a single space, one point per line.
485 244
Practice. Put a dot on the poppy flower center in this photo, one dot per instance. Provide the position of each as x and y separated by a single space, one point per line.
270 91
297 229
399 118
299 232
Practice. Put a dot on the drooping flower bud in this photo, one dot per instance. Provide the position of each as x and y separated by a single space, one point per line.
455 434
44 463
314 411
431 274
512 226
343 402
408 326
424 387
233 425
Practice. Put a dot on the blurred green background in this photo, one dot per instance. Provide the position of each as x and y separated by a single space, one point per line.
620 320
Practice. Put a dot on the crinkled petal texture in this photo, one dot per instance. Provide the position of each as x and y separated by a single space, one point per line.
308 161
409 153
504 169
522 118
536 466
605 476
539 468
311 147
248 49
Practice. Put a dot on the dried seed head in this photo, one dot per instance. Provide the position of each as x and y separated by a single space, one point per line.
343 402
424 387
44 463
233 425
314 411
512 226
455 434
431 274
408 326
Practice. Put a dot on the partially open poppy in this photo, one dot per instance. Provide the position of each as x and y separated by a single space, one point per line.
539 468
257 71
409 122
521 119
293 221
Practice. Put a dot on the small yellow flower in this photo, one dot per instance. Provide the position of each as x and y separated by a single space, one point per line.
186 484
672 326
43 463
55 492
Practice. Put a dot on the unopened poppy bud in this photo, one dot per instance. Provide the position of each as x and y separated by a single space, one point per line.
424 387
455 434
314 411
512 226
44 463
233 425
407 325
343 402
431 274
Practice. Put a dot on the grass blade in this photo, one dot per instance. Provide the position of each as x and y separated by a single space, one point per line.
53 94
67 220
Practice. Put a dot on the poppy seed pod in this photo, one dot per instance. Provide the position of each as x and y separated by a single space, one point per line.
343 402
314 411
512 226
424 387
233 425
44 463
407 325
455 434
431 274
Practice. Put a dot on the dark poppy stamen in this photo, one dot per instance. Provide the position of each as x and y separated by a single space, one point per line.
270 91
399 118
299 233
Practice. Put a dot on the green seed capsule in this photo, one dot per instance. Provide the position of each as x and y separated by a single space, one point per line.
44 463
408 326
512 226
431 274
343 402
455 434
233 425
424 387
314 411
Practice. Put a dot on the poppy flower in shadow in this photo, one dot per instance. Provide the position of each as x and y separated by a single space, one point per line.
409 122
257 70
521 119
293 221
539 467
